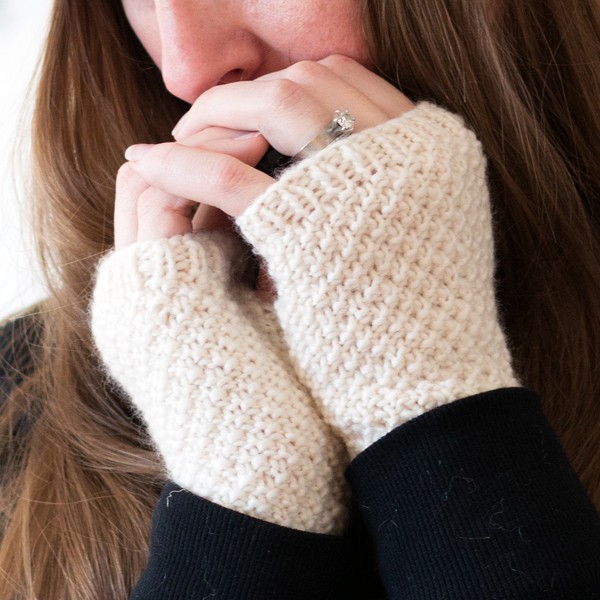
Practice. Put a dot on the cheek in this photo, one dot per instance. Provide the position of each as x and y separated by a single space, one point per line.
348 41
321 28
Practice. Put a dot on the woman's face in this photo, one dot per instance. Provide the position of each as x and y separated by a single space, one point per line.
198 44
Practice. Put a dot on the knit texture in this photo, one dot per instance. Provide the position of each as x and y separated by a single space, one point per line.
201 359
381 250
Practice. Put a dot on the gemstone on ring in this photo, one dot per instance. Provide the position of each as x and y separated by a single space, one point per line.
340 127
342 124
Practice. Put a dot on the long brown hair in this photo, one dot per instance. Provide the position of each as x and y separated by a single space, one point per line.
527 80
81 478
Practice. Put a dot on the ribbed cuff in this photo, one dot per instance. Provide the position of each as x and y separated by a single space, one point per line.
476 499
202 550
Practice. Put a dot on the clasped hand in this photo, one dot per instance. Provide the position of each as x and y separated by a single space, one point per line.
208 172
381 251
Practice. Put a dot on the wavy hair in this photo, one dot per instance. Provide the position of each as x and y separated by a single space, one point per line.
80 478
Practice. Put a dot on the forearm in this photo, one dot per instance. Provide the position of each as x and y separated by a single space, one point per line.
195 353
476 499
382 253
200 549
384 262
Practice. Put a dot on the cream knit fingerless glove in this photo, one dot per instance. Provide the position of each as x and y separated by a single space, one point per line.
381 250
201 359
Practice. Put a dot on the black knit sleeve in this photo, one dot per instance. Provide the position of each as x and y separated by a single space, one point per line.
202 550
476 500
472 500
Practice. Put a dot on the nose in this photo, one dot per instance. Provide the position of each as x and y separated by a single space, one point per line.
202 44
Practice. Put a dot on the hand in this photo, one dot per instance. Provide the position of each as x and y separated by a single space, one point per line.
203 361
287 109
146 212
381 250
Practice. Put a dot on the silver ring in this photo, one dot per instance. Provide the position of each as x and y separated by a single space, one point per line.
341 126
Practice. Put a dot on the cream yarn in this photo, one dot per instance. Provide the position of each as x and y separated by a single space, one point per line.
382 253
203 361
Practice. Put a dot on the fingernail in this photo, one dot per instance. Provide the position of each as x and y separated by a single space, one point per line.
179 125
247 136
137 151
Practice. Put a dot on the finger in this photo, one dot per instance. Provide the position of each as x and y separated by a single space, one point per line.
211 134
208 218
247 146
129 186
388 98
219 180
342 83
284 113
162 215
302 97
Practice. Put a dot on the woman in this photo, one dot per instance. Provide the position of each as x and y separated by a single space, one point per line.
380 252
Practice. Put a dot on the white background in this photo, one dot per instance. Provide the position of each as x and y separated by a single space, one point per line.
22 28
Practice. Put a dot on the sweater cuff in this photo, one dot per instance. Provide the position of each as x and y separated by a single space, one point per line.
307 207
479 486
202 550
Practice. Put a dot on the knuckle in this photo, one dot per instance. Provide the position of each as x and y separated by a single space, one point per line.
128 186
338 62
154 201
165 155
206 96
126 176
124 171
305 70
149 203
227 174
166 158
284 93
